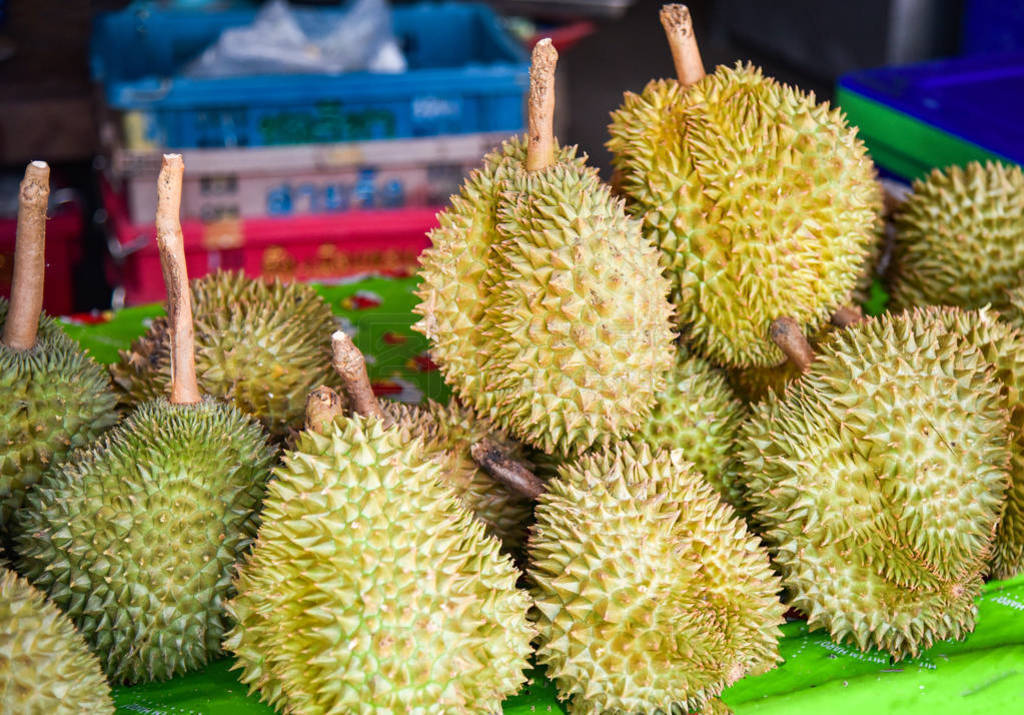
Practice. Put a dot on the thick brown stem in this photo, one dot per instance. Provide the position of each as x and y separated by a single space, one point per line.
29 259
847 315
184 388
786 333
513 475
681 38
540 148
351 366
322 405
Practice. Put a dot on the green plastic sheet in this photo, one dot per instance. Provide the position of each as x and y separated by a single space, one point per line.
982 674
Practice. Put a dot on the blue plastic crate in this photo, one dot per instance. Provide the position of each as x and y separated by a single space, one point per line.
992 26
465 75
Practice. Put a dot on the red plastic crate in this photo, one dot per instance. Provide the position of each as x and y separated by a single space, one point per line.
321 247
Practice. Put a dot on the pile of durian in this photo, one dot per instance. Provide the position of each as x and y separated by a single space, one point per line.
671 425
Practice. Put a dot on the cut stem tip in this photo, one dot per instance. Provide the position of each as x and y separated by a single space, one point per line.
26 304
540 148
683 41
847 315
350 365
506 470
786 333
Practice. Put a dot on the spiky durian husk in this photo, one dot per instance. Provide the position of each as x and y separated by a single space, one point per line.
55 399
958 236
763 202
449 431
261 345
545 305
698 413
1003 347
45 666
371 588
877 481
137 538
1012 306
652 595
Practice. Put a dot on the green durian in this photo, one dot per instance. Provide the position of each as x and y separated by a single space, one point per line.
877 481
448 431
544 304
958 236
763 202
136 539
262 345
55 397
652 596
372 589
45 666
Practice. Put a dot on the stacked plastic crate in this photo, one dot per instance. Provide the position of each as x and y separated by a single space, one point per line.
300 176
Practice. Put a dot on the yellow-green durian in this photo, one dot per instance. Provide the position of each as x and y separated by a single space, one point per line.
958 237
262 345
763 202
652 597
877 481
45 666
371 588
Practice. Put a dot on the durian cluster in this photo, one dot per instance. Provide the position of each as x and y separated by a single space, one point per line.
671 425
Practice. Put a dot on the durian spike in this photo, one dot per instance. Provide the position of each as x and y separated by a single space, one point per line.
540 148
847 315
351 366
681 38
29 258
184 388
322 405
506 470
786 333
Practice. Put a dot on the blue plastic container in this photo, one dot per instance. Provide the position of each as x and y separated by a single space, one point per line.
992 26
465 75
937 114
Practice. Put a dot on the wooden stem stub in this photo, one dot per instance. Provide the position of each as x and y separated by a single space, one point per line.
786 333
351 367
540 148
500 465
184 387
683 41
26 304
847 315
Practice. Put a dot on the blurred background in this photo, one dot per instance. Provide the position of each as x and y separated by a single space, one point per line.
321 137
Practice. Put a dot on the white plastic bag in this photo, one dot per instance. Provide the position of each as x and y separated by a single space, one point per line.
287 40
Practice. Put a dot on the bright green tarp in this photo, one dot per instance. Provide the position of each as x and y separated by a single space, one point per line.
983 674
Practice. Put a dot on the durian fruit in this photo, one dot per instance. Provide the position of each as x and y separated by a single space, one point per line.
137 538
652 595
958 236
698 413
55 398
877 481
544 304
259 344
45 666
371 587
763 202
449 432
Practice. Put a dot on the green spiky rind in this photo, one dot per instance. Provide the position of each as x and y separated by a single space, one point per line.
262 345
1003 347
45 665
957 237
55 400
137 538
763 202
580 321
698 413
652 596
449 431
371 588
877 480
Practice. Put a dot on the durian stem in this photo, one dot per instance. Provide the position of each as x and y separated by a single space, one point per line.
506 470
847 315
351 366
540 148
184 388
29 259
786 333
322 405
681 38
